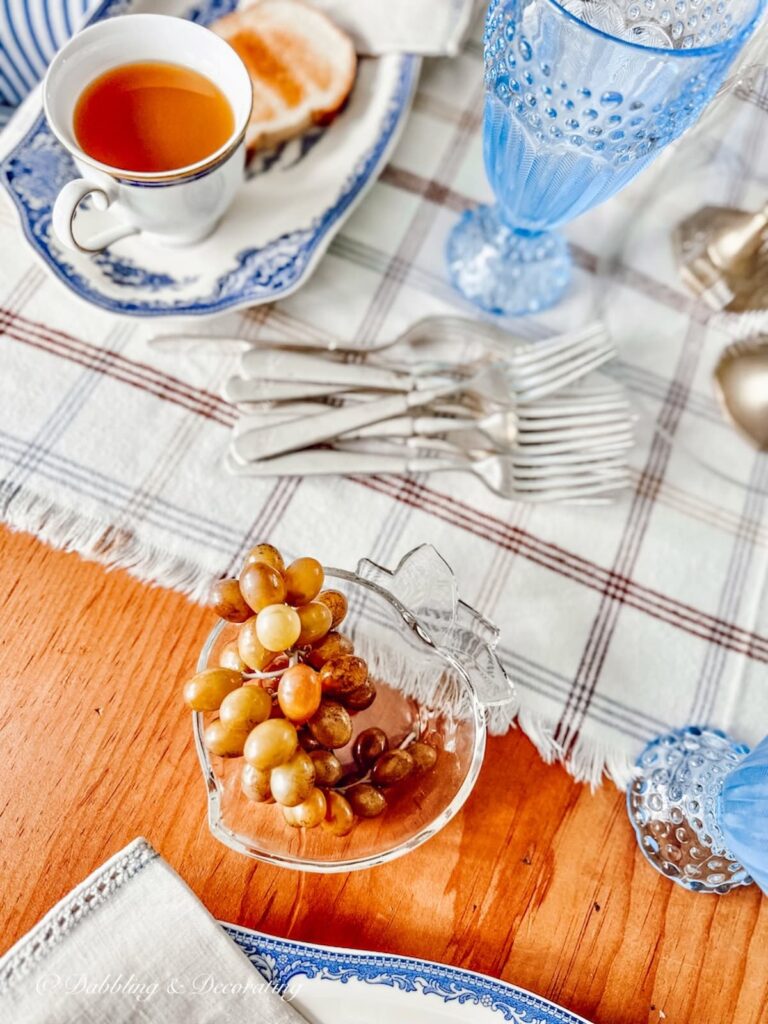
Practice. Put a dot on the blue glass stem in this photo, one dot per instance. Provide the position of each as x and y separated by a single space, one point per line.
504 269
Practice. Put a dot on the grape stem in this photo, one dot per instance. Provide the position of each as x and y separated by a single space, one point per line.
293 659
412 735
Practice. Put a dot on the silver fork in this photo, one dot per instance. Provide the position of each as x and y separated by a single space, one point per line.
289 435
521 384
447 328
498 472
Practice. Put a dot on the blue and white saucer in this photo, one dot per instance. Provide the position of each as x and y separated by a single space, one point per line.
295 199
328 985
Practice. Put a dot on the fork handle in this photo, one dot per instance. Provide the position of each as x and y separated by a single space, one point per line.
290 435
275 365
332 462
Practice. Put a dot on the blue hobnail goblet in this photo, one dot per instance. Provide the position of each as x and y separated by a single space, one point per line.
580 96
699 805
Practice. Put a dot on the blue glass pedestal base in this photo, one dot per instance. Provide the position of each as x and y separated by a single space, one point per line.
675 807
504 271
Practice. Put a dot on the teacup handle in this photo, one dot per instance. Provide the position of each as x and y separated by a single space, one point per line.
65 208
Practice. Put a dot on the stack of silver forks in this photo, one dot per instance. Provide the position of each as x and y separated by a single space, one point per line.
520 416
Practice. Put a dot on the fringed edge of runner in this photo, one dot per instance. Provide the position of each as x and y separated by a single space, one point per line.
98 541
587 761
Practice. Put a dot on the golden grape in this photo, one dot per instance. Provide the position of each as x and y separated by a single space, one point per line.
245 707
228 602
278 627
270 744
206 690
303 580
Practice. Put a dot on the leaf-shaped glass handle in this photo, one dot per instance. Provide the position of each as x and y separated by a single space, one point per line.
425 584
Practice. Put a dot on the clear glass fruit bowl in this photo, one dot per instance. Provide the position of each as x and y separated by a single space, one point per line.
433 661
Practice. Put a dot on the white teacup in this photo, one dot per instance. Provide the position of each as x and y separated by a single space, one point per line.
176 207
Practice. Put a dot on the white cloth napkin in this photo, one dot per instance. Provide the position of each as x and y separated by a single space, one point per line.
132 943
428 27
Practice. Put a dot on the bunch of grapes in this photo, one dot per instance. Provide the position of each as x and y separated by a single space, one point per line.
286 691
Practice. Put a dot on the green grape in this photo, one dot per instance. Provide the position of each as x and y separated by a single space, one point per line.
206 690
309 813
271 743
292 782
278 627
255 784
224 740
261 585
246 707
303 580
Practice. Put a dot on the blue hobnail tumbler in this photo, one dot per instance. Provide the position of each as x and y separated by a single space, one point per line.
744 813
699 805
580 96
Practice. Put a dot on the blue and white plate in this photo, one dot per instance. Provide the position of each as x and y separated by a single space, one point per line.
341 986
294 201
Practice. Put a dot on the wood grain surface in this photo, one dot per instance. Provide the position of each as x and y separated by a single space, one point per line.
537 881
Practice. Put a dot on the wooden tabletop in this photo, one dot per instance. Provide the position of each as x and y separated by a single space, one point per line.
537 881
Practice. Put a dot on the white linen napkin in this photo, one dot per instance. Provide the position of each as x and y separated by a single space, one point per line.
431 28
428 27
133 944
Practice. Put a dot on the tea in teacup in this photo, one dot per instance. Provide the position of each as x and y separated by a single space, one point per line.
152 116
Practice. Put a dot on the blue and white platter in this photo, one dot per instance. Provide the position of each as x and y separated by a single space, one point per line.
295 199
342 986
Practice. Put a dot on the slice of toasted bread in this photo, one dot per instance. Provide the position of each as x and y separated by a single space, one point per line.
302 66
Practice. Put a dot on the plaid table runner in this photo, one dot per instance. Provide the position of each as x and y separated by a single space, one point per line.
617 622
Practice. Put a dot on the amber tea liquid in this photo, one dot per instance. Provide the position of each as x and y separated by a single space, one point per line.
152 116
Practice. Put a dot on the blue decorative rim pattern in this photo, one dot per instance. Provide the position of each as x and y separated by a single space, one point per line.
279 961
259 274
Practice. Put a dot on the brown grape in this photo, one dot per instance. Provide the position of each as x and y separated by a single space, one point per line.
266 553
307 741
328 768
424 756
270 744
339 817
369 746
361 698
341 675
255 784
206 690
228 601
251 649
303 580
261 585
278 627
392 767
245 707
331 646
292 782
224 740
331 724
299 693
337 604
315 622
366 801
230 657
307 814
